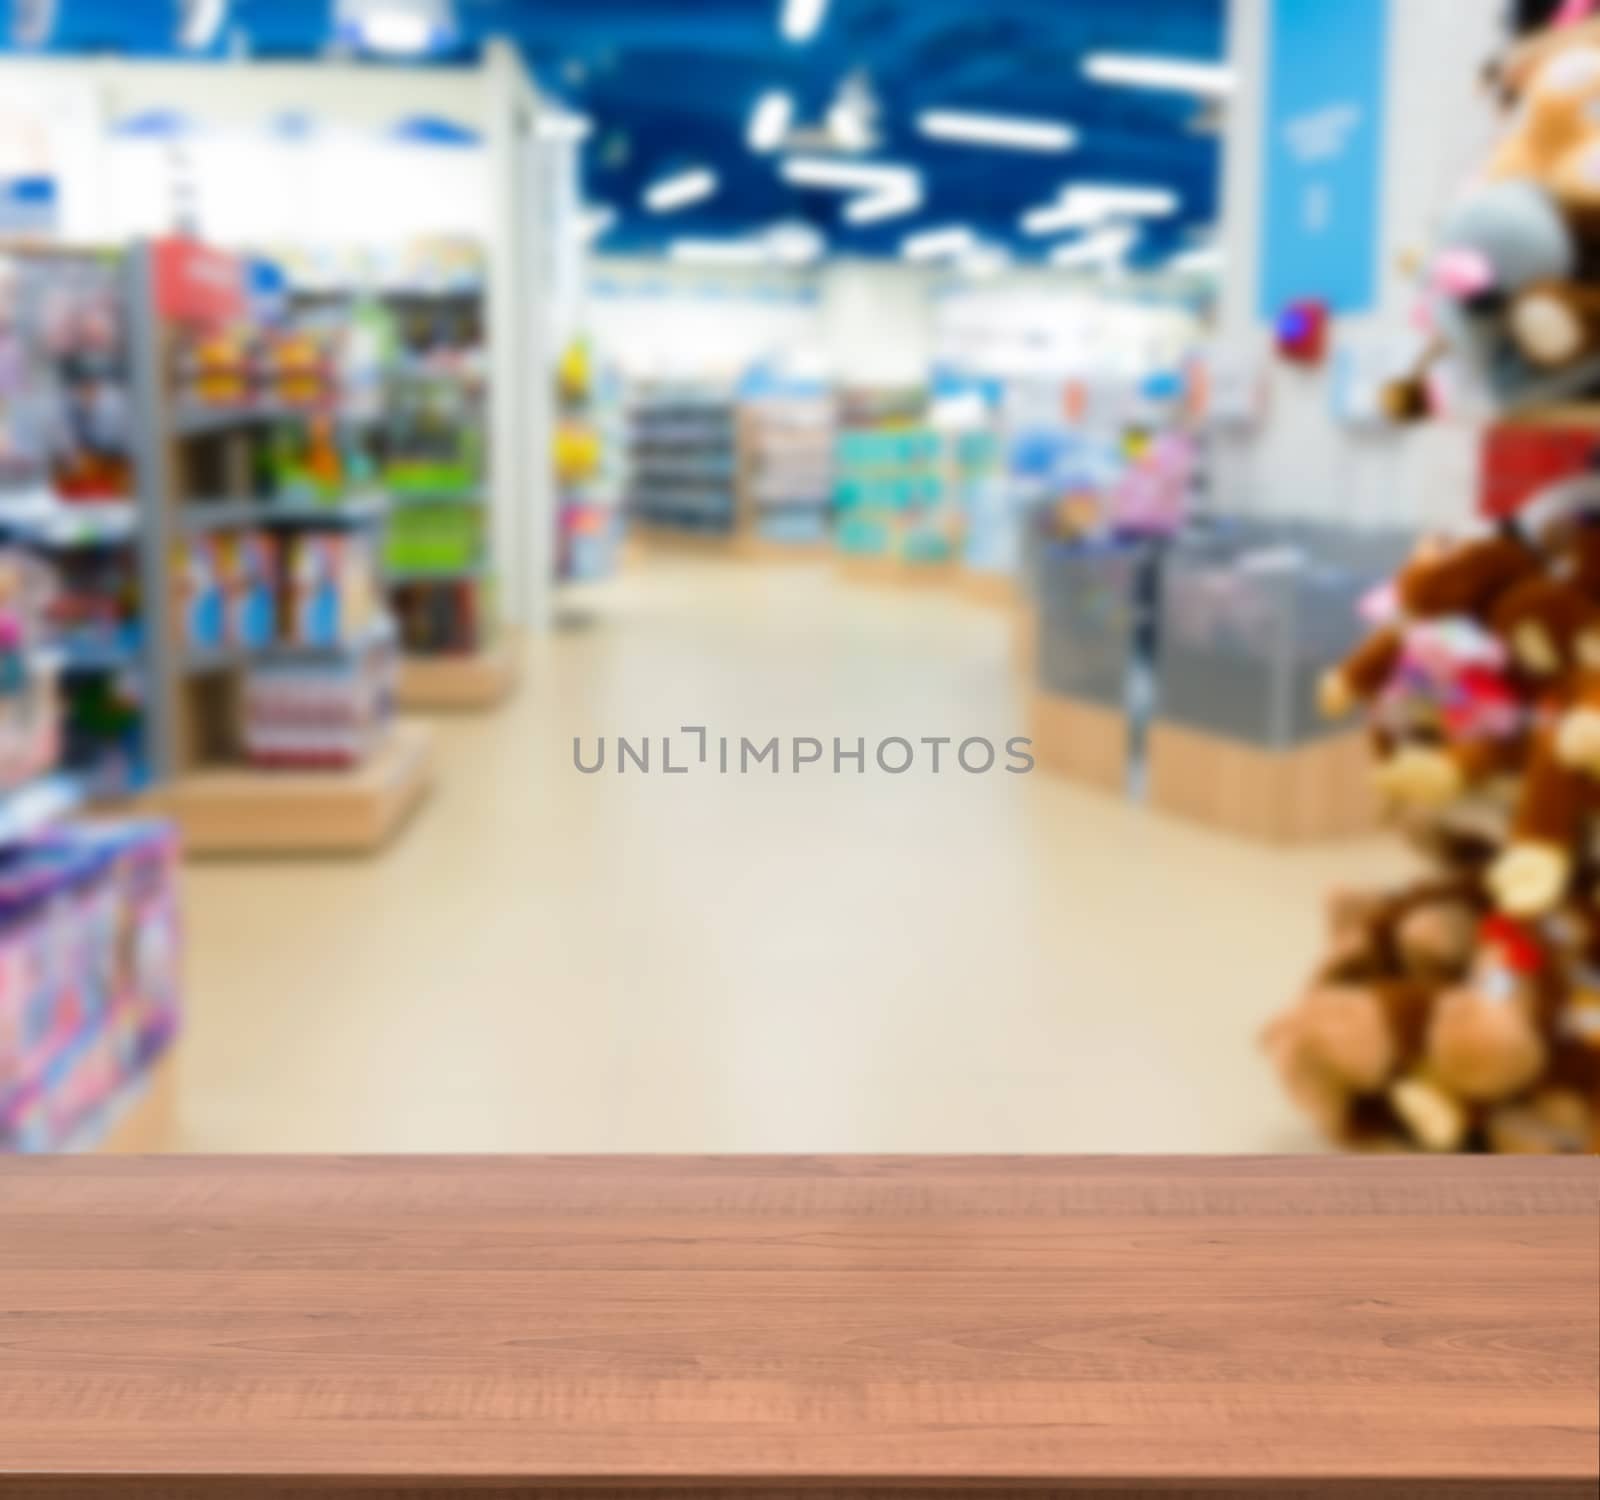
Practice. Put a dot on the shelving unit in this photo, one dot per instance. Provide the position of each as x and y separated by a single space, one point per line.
786 459
891 492
339 776
684 468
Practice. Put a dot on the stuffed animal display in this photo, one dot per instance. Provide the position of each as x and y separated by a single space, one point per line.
1512 290
1463 1011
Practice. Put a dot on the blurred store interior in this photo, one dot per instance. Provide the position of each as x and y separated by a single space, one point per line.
789 575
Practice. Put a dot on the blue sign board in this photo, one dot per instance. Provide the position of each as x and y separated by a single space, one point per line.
1322 153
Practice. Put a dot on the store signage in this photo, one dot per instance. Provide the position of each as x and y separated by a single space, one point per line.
28 205
197 284
1322 154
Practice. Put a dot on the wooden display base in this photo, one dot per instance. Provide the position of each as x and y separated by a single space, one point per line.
884 571
149 1125
764 550
1025 639
664 541
998 590
1318 791
242 811
1085 741
482 679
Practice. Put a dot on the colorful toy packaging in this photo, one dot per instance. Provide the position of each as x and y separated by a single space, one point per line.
90 978
327 714
332 588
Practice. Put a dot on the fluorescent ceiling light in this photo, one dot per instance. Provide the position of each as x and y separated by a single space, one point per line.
1211 80
985 262
396 31
850 176
848 125
933 243
1203 260
996 130
795 244
719 252
1087 204
770 120
561 125
1110 198
802 19
680 190
1054 217
886 203
201 20
598 222
1099 249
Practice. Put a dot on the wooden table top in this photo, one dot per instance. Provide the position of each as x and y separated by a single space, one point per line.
1274 1326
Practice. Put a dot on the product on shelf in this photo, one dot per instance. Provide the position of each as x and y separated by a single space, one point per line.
90 978
588 449
682 459
1461 1011
787 461
247 572
439 618
331 713
890 485
332 589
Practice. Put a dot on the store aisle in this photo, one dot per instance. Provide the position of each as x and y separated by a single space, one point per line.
555 962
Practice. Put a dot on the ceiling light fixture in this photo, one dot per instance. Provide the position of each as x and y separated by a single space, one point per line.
1052 218
848 176
562 125
1209 80
1005 131
395 28
795 244
986 262
719 252
885 203
680 190
1203 260
770 121
932 244
598 222
1087 204
1103 248
200 21
802 19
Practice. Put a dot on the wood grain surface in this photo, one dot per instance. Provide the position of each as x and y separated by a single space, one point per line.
1269 1326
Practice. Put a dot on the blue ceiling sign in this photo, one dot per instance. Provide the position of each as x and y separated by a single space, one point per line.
1322 154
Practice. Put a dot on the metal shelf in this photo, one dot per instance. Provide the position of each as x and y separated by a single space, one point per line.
229 515
43 519
434 575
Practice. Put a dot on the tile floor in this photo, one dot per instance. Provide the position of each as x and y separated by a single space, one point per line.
548 961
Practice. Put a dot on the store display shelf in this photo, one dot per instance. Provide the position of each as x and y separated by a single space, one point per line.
465 573
984 586
355 509
465 681
401 499
200 660
95 655
50 522
242 811
379 634
194 419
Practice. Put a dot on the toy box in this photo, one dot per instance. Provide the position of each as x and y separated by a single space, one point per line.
90 978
